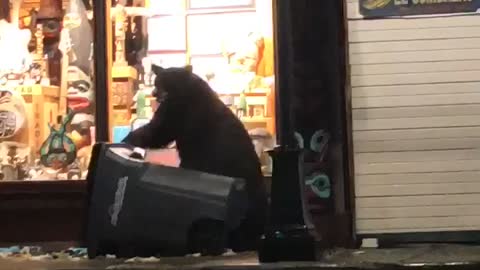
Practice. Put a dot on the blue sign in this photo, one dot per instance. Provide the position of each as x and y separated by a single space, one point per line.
119 133
387 8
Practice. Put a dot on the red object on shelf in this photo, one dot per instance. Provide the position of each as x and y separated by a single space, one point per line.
166 157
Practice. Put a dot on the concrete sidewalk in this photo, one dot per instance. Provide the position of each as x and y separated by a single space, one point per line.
411 257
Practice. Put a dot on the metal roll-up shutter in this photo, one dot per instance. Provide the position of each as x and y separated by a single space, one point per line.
416 122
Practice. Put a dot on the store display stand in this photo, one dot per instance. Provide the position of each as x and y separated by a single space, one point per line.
41 104
122 94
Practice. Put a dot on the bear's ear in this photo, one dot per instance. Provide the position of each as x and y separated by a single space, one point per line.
189 68
157 69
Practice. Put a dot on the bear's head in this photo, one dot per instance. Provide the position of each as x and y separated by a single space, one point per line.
174 84
184 101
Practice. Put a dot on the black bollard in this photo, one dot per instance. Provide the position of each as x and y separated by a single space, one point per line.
290 235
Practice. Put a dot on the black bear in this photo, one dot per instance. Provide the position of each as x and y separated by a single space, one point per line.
209 138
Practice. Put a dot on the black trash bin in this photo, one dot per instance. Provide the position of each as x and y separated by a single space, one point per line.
136 208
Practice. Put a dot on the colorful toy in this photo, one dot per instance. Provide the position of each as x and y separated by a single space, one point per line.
58 151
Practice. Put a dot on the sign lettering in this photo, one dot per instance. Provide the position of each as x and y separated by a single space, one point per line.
385 8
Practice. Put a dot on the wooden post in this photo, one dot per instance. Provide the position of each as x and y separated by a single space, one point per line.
103 70
15 11
120 22
64 47
108 67
5 11
349 180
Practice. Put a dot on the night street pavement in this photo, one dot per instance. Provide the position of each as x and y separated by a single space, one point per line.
413 257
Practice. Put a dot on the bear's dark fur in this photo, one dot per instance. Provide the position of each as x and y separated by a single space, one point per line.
209 138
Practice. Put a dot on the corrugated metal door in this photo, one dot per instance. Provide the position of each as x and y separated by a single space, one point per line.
416 121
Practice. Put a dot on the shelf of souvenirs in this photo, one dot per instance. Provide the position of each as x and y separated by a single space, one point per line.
252 93
38 90
247 120
253 97
257 113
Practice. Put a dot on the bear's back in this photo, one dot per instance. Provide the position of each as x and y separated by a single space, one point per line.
222 146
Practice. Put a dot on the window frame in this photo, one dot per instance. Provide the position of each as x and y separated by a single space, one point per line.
247 4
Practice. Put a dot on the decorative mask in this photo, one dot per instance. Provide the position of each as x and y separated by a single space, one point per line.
50 16
12 113
80 93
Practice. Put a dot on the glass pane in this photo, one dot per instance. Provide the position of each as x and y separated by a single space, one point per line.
163 7
167 60
172 27
131 70
205 65
230 47
46 90
201 4
224 30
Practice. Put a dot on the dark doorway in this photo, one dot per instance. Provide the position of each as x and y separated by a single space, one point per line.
320 105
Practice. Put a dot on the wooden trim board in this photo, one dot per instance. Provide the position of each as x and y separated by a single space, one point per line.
415 56
417 212
386 240
421 156
415 100
416 145
421 178
415 68
416 90
414 45
418 224
417 34
417 78
420 111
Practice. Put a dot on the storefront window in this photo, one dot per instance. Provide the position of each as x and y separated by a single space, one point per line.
228 43
47 113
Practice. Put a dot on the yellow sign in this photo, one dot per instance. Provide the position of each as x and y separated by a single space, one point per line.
374 4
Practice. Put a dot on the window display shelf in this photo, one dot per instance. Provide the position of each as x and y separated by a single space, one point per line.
124 72
255 119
